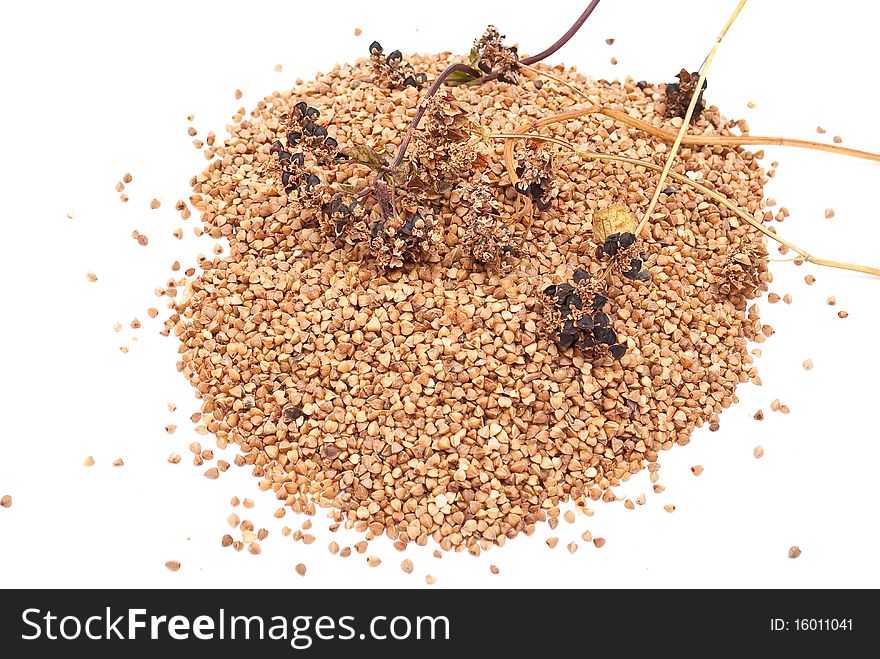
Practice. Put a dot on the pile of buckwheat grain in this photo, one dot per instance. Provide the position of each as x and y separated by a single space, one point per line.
425 401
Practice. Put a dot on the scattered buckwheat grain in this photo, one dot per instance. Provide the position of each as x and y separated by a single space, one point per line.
794 551
808 364
842 314
91 276
758 452
6 501
174 566
696 470
669 508
829 213
300 569
118 462
155 203
430 580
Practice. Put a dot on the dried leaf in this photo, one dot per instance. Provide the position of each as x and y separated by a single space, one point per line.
611 220
364 155
457 78
402 174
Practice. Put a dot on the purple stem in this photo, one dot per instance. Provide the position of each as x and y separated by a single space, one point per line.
404 145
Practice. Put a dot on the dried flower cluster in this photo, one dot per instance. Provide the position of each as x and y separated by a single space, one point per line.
679 94
487 238
575 314
442 154
304 132
742 274
303 137
535 171
489 55
342 216
623 253
396 241
614 230
391 71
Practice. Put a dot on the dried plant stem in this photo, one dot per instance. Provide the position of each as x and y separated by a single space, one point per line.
704 140
718 198
557 79
687 118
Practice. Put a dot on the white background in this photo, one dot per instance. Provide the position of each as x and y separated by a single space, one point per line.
94 90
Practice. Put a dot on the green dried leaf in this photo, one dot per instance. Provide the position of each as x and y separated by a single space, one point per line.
365 156
401 175
457 78
474 56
